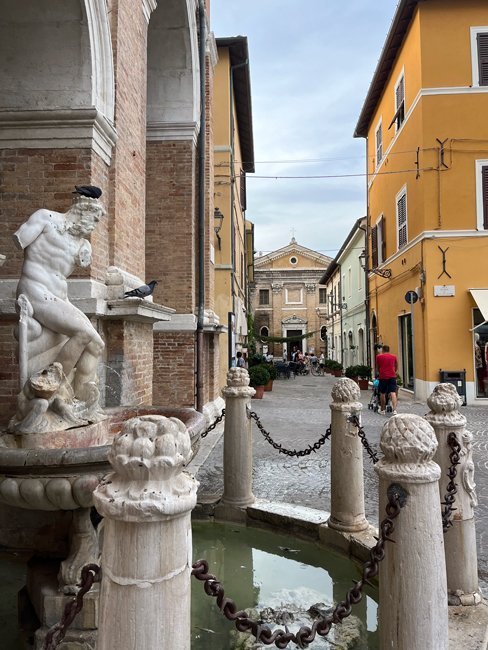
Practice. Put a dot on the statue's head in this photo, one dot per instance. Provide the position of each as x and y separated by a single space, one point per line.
84 215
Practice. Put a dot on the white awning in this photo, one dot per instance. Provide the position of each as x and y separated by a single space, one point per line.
480 296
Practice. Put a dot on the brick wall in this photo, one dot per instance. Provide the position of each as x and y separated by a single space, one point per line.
9 371
127 202
129 377
174 369
171 223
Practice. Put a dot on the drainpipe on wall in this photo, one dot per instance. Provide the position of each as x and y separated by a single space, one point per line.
201 206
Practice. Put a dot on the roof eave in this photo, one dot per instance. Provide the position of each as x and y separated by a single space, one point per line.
394 40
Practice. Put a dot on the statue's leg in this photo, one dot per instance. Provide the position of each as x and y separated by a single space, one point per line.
86 368
63 317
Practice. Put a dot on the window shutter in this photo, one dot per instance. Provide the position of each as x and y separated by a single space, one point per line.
484 177
483 58
383 238
402 220
243 190
374 247
379 145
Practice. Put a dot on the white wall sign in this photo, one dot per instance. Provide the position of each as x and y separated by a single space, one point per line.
444 290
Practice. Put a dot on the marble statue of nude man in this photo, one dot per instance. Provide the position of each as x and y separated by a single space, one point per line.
54 244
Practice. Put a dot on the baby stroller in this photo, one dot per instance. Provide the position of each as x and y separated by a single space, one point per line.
374 402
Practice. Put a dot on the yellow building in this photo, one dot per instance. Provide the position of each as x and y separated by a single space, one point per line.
425 120
233 159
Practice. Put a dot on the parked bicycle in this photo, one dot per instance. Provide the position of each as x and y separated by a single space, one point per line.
316 369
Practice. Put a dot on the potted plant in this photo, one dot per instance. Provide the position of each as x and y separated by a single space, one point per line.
327 366
364 374
352 373
336 368
273 373
258 378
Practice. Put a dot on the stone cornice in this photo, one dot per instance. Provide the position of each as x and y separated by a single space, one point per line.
166 131
292 248
58 129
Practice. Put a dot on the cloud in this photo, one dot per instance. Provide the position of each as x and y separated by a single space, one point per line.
311 64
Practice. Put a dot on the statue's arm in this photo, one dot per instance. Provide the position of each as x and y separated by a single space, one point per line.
31 229
84 253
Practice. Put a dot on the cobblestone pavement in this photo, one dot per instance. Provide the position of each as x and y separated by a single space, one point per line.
296 413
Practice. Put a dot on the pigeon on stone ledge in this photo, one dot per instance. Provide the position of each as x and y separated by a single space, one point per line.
141 292
91 191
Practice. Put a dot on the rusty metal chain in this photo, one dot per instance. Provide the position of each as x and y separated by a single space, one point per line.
354 419
289 452
213 425
397 498
90 573
451 488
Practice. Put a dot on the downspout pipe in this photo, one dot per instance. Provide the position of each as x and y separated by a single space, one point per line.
201 205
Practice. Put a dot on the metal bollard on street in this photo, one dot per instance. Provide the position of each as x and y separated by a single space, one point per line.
413 587
460 537
147 540
347 512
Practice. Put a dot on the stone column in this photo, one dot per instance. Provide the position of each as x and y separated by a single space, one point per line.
412 577
237 444
147 541
460 538
346 465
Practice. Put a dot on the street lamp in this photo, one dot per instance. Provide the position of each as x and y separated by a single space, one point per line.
218 219
384 273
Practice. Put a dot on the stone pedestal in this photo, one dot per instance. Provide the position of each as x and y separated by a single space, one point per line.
412 577
460 538
237 443
346 472
147 544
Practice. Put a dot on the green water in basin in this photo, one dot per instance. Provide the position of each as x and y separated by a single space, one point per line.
275 575
260 570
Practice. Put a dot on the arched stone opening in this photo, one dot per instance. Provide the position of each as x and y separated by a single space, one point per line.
56 76
173 100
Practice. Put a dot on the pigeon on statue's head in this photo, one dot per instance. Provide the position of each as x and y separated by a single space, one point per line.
141 292
91 191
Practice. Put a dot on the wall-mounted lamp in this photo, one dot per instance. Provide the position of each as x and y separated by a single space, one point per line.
218 219
383 273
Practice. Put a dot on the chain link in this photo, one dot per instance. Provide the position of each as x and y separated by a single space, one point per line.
451 488
397 498
90 573
354 419
213 425
289 452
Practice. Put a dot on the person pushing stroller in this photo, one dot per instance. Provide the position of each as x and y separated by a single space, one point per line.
387 365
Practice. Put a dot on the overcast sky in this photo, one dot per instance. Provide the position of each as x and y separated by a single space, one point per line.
311 64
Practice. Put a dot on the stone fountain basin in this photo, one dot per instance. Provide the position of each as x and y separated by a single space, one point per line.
57 472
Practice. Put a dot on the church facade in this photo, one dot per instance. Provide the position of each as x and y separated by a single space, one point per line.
286 300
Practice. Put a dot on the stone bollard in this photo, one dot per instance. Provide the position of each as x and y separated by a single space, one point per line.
460 538
147 542
346 465
413 589
237 446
